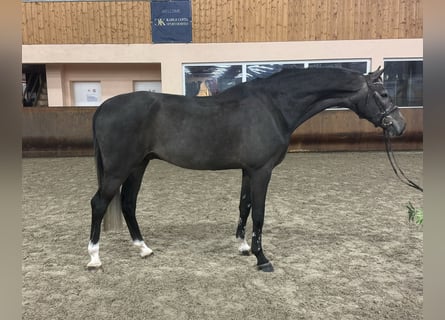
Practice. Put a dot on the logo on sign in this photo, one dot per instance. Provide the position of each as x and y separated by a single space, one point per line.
171 21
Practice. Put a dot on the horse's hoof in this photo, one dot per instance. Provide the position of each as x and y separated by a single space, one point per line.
94 268
266 267
244 252
146 254
145 251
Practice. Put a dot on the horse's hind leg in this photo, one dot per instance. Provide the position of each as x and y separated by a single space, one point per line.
129 193
244 210
99 204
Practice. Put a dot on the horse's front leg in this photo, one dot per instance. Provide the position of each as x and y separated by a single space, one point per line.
244 211
259 183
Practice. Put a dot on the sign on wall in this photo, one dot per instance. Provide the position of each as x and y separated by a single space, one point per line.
87 93
171 21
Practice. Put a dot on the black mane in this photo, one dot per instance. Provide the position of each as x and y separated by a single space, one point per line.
329 78
304 80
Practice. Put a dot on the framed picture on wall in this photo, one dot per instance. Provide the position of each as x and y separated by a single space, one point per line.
87 94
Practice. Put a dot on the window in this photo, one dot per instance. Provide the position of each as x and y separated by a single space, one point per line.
254 71
404 81
87 93
151 86
360 66
210 79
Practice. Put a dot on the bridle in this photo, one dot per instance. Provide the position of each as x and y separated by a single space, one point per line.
383 117
385 122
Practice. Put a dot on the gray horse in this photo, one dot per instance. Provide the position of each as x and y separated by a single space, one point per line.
246 127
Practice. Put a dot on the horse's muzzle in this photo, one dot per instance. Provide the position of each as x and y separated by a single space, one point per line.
395 127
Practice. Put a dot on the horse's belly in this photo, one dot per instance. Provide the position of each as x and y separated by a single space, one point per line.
209 145
204 159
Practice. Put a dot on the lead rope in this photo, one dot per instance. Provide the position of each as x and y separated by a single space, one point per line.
395 166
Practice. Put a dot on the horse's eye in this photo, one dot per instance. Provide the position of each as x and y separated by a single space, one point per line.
384 95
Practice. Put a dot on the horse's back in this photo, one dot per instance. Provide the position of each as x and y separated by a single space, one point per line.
124 103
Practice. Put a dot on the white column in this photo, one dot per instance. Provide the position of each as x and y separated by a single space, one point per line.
171 77
55 84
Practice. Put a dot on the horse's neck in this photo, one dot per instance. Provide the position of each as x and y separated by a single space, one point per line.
301 94
298 109
317 107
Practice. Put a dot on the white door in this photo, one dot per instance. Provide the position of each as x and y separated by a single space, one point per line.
151 86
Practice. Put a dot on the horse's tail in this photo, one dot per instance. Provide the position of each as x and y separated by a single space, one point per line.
113 216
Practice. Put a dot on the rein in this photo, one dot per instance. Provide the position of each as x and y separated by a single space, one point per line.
385 122
395 166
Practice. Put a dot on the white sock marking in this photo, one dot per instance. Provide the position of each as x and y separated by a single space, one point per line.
93 250
243 245
145 251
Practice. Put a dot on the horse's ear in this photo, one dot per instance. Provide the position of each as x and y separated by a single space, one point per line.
376 75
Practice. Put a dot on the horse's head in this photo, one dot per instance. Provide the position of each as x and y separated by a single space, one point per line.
377 106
